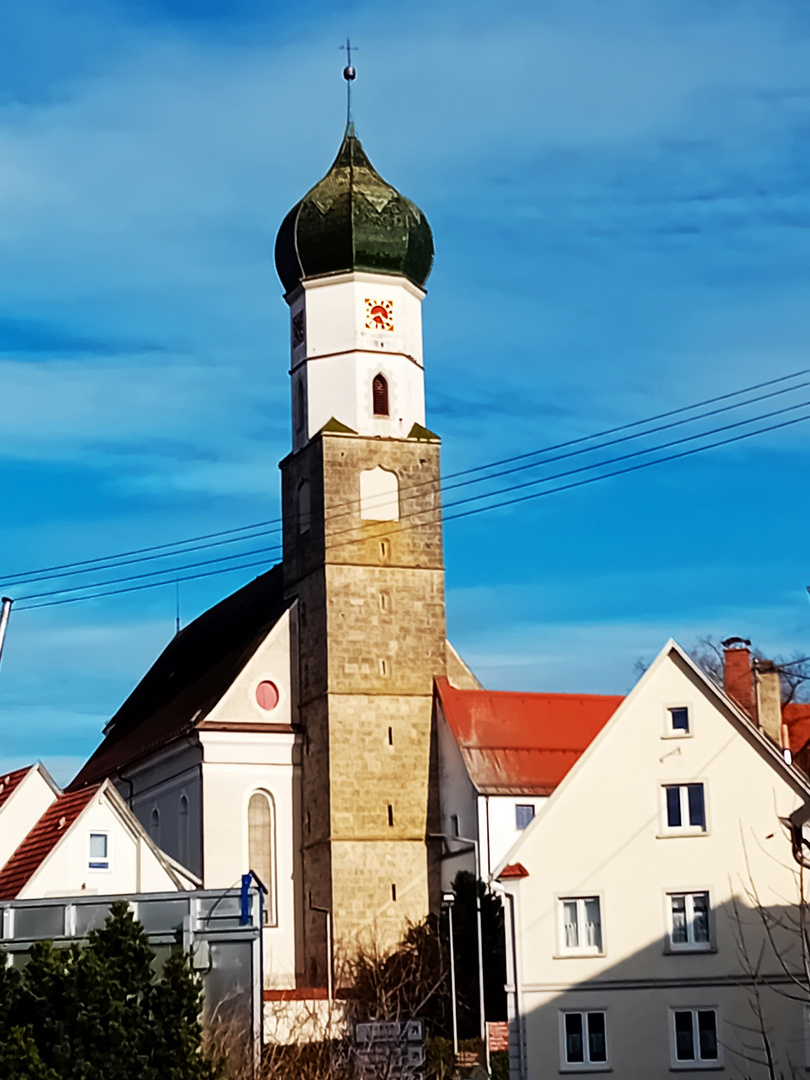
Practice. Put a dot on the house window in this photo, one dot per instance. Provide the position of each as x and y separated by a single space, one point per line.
523 816
580 926
99 851
694 1037
678 720
261 848
154 826
684 808
689 921
379 393
584 1039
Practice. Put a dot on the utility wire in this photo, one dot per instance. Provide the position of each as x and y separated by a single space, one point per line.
162 551
407 493
466 513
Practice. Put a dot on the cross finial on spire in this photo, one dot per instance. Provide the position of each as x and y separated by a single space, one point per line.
349 74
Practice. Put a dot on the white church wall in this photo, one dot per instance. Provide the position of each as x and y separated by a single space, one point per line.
237 765
22 810
270 663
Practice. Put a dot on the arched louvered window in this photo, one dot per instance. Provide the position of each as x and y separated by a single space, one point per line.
154 826
183 831
379 393
262 848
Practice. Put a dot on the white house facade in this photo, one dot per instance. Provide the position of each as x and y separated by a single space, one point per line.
652 901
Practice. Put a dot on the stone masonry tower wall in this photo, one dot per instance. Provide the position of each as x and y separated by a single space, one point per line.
372 638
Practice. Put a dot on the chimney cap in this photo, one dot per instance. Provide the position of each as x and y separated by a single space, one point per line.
736 642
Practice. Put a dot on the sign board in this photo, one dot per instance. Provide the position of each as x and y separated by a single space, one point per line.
394 1049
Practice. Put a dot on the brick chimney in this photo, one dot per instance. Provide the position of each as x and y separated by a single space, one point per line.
737 678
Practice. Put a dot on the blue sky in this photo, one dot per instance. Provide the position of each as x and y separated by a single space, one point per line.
619 196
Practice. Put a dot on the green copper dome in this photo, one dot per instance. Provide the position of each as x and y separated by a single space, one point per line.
353 220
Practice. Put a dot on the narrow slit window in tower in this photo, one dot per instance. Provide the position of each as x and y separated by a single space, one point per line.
379 390
390 815
393 891
390 736
300 409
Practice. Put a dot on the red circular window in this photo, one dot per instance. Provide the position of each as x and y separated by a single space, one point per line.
267 695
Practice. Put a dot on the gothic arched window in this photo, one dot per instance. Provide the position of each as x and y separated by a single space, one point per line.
262 848
379 393
154 826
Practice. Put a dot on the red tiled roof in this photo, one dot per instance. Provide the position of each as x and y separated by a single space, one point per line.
42 839
522 743
11 780
797 717
513 870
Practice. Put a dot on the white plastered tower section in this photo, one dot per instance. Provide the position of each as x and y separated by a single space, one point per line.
348 330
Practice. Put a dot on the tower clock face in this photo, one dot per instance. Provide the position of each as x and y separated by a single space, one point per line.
380 315
298 329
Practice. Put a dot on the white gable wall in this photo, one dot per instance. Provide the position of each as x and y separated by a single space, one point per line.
134 866
22 810
600 834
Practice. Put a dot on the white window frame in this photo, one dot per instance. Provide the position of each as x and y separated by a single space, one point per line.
698 1062
97 869
564 950
683 829
689 945
671 732
583 1066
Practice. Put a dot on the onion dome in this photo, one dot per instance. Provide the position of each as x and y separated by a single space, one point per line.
353 220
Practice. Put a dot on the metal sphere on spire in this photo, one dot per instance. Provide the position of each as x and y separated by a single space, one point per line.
349 74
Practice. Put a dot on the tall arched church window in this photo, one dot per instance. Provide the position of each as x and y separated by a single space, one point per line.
262 848
183 834
304 507
379 495
300 405
379 393
154 826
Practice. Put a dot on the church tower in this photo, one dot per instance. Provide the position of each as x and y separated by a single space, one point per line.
361 506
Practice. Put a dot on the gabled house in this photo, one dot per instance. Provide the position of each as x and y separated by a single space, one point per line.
25 795
501 755
653 901
80 842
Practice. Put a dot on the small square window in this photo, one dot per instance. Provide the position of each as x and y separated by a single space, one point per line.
689 922
684 808
99 851
523 816
694 1038
583 1038
678 720
580 926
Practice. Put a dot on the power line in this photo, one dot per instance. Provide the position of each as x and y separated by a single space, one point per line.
162 551
408 492
477 510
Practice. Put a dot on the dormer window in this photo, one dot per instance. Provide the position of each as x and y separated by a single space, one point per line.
379 393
